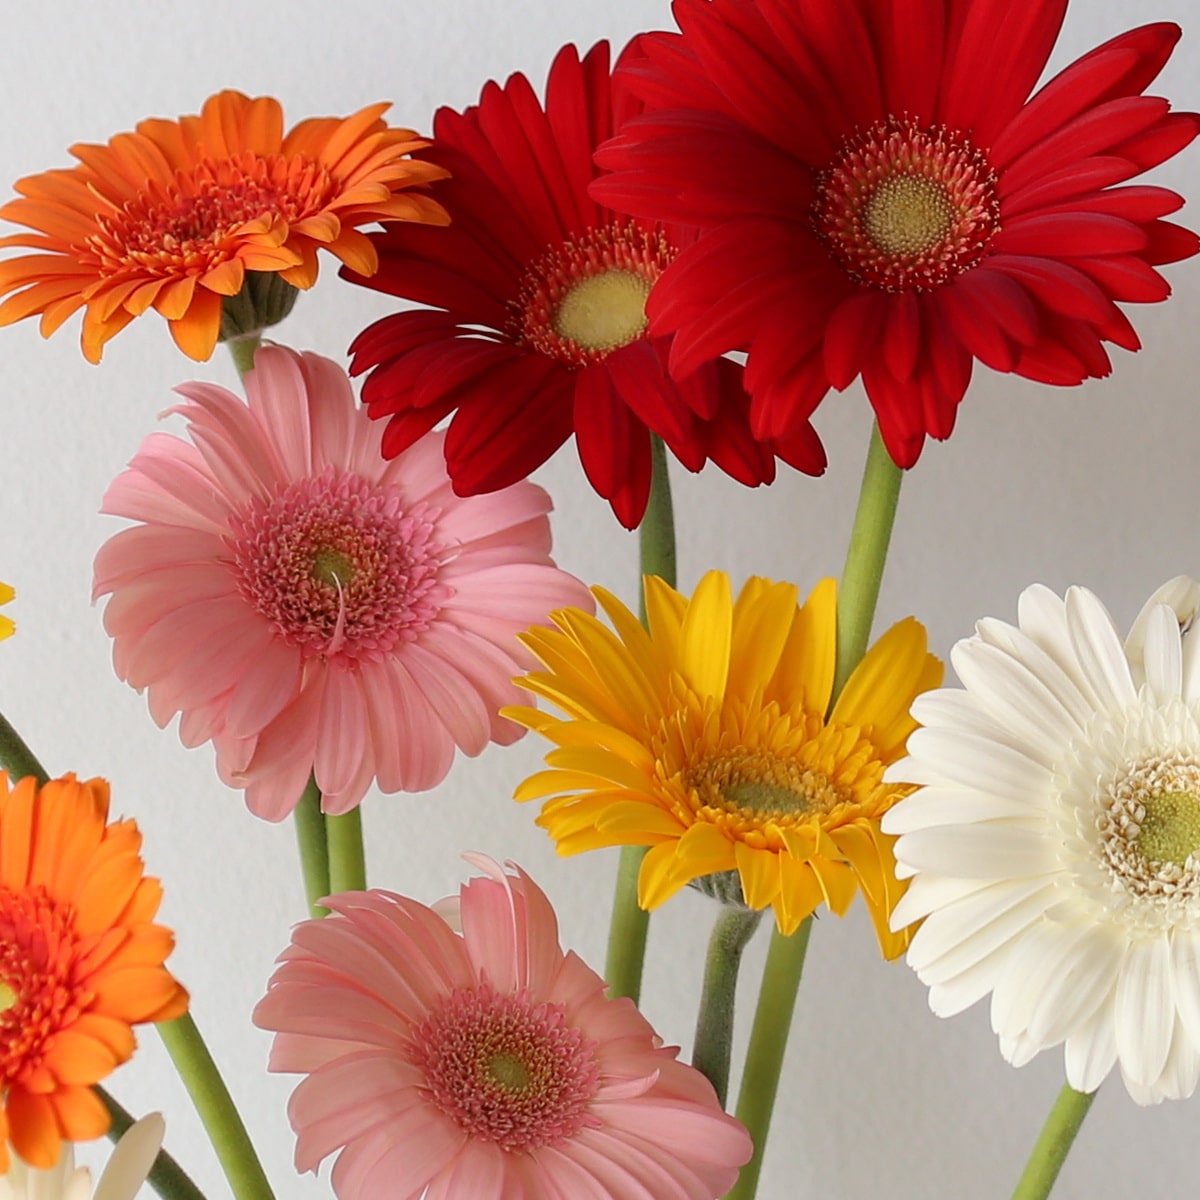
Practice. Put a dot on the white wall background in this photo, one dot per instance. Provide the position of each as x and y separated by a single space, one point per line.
1097 485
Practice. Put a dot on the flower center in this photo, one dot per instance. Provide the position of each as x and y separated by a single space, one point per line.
762 784
39 995
1170 828
338 567
586 298
507 1071
188 223
906 209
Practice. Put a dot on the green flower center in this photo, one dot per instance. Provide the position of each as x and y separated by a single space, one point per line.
510 1072
1170 830
763 784
332 567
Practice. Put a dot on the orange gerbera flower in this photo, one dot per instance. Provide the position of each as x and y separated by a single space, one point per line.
80 960
175 215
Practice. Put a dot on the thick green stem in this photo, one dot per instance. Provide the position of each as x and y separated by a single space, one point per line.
347 859
16 757
166 1176
1054 1142
630 923
221 1119
732 931
858 592
768 1041
314 847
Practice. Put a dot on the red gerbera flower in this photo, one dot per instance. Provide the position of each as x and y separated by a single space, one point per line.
541 331
881 197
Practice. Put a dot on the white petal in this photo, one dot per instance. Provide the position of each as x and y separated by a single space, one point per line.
1085 976
957 756
1182 1072
989 850
952 997
948 805
1002 933
1185 972
1019 1051
1191 666
1182 596
953 708
1060 674
1098 647
1020 983
929 892
1163 654
968 919
1091 1050
132 1159
1145 1010
1017 699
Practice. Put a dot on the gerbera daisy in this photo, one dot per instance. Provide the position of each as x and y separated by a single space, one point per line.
6 625
537 327
80 960
122 1178
489 1063
883 198
1055 841
706 739
310 607
178 215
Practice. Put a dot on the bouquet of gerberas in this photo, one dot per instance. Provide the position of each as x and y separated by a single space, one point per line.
676 254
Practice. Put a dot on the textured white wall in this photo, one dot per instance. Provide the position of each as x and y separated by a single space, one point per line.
1097 485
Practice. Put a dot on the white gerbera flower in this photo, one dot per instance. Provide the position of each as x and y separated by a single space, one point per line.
1054 839
123 1175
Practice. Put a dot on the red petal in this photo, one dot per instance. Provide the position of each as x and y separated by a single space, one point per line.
852 336
1068 235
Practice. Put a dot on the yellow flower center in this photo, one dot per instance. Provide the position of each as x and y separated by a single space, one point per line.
908 214
1170 830
604 312
8 997
586 297
906 208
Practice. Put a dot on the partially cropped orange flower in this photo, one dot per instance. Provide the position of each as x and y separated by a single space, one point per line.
174 215
80 960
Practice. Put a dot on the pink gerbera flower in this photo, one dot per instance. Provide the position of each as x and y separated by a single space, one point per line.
488 1065
309 607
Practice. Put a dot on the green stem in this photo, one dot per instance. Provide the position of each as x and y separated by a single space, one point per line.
862 575
314 847
1050 1150
166 1176
768 1041
242 349
858 595
347 860
630 923
732 931
16 757
221 1119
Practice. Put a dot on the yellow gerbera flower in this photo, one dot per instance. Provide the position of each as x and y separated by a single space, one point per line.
6 625
706 737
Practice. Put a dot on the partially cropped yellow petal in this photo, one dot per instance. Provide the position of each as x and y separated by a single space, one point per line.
6 625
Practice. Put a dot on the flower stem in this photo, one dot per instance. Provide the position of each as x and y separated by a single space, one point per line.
1050 1150
863 572
166 1176
347 860
630 923
732 931
16 757
858 595
314 847
221 1119
768 1040
242 349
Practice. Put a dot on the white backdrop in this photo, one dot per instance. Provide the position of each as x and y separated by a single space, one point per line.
1097 485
